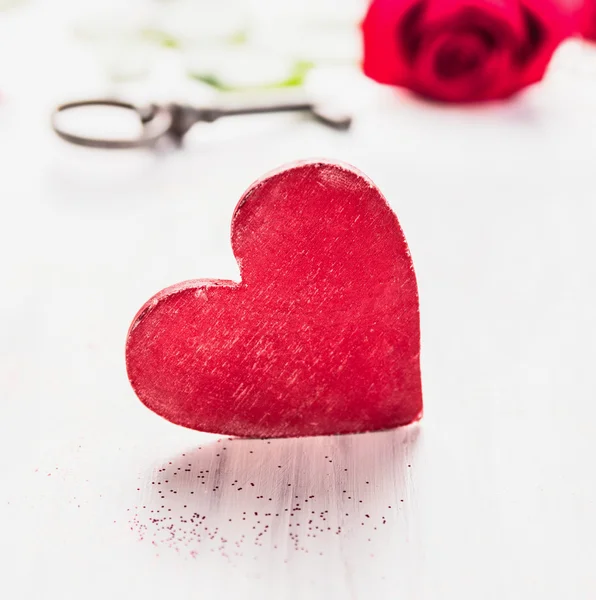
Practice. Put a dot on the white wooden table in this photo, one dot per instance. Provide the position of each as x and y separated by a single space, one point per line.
490 496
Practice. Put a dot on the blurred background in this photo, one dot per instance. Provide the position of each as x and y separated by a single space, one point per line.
194 51
172 49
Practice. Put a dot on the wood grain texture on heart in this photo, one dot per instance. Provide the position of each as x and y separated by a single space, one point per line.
320 336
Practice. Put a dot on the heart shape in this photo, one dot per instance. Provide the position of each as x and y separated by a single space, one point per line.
321 336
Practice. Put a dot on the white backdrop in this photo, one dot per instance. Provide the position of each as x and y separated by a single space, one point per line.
490 496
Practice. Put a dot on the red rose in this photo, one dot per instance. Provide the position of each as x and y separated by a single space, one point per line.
462 50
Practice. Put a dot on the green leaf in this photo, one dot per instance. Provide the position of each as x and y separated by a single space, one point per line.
295 78
238 38
162 38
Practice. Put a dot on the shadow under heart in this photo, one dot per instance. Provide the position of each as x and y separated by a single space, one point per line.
239 498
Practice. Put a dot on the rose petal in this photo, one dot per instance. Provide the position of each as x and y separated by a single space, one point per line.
482 81
504 14
556 19
461 56
409 33
587 20
382 60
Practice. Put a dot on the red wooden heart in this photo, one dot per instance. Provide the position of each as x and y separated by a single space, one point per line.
321 336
